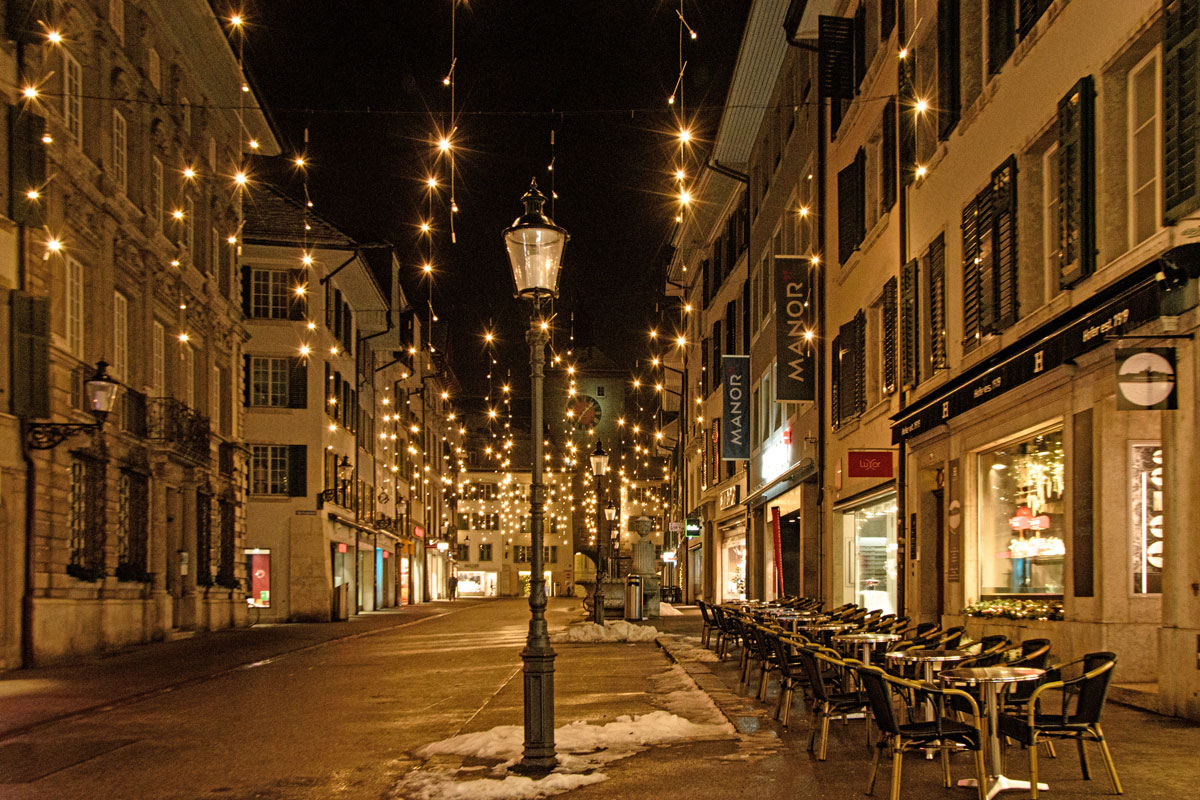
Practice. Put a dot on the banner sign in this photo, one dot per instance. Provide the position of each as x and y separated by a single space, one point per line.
714 449
1127 312
1146 379
869 464
735 391
795 335
775 526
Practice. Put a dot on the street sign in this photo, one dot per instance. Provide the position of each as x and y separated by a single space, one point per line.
675 527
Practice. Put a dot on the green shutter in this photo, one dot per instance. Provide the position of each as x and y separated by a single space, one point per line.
1076 184
298 307
888 167
937 304
297 383
848 371
860 362
906 123
1181 84
297 470
910 370
1002 29
947 65
890 321
30 356
835 57
1004 242
835 382
27 164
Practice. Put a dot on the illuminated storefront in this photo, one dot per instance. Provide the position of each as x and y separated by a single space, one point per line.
869 541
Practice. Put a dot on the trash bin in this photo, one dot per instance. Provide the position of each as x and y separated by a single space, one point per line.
341 602
633 597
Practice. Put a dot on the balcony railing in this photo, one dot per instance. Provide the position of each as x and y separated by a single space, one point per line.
174 422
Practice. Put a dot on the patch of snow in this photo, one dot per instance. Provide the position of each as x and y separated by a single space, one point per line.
687 648
668 610
581 749
619 631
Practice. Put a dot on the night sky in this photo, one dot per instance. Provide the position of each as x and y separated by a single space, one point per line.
365 77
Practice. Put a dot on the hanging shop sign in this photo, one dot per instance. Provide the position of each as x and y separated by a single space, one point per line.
714 449
1146 379
869 464
1131 309
692 527
729 496
735 383
795 335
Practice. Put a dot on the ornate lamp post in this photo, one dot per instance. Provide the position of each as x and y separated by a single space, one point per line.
599 467
101 392
610 514
345 471
535 247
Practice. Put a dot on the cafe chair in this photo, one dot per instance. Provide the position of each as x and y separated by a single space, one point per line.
942 732
709 626
1081 704
1034 653
791 672
833 696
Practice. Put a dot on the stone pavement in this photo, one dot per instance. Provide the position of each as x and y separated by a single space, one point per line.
341 710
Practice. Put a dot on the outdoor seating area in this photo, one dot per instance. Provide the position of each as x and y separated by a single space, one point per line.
916 689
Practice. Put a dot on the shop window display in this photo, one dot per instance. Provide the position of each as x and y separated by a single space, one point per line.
1021 516
871 553
735 570
1146 506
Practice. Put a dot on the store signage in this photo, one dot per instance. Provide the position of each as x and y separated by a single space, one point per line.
306 512
692 527
1146 379
795 335
954 526
418 531
869 464
675 527
385 554
714 443
1112 319
342 547
729 496
668 557
735 391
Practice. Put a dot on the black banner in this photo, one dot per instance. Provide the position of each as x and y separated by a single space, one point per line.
795 334
735 390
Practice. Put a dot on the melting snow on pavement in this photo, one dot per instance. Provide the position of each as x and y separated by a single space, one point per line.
668 610
582 750
619 631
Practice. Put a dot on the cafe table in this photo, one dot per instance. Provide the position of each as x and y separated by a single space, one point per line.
928 659
867 642
992 679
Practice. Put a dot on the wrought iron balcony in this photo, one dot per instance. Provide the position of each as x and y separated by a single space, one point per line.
174 422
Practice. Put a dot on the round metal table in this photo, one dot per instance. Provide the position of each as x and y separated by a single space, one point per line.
928 659
992 679
867 641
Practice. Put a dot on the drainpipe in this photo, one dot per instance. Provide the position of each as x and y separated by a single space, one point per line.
340 267
27 596
902 468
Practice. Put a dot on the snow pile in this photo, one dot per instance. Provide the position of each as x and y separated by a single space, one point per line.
675 691
619 631
668 610
687 649
581 748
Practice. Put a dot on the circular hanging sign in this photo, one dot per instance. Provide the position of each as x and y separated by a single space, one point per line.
1146 378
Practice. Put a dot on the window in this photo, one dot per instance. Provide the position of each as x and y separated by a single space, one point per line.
1146 516
155 204
187 364
72 97
120 151
74 307
550 554
204 575
278 469
158 363
228 532
214 396
120 365
1001 36
1051 235
116 18
278 382
269 297
87 519
189 229
1021 516
133 505
154 68
485 552
874 354
1144 150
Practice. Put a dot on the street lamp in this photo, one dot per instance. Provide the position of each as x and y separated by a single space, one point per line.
535 247
101 393
343 473
610 514
599 467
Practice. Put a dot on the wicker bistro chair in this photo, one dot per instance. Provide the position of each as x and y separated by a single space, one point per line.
1082 703
1033 653
942 732
726 630
791 671
833 695
709 626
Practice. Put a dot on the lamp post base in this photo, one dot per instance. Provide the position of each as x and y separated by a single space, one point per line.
539 753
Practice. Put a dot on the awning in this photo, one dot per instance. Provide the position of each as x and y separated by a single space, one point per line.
802 471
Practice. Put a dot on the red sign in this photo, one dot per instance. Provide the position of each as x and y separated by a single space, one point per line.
418 531
385 553
869 464
342 547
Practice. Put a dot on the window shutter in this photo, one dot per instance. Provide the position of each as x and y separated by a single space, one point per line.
1028 13
887 176
297 470
848 371
835 57
247 374
851 211
835 382
860 45
1181 139
1004 242
976 229
246 305
937 303
906 123
27 163
887 18
860 362
297 383
948 66
1001 29
1076 184
890 321
30 366
298 307
909 345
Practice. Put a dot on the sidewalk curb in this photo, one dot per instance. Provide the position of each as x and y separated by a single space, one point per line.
136 697
747 718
